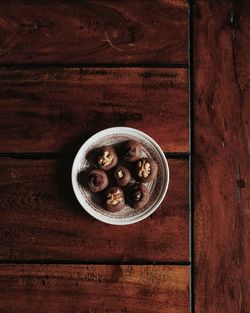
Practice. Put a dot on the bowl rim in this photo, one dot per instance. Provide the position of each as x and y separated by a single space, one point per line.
99 216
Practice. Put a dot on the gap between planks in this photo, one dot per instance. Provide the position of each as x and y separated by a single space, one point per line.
191 149
93 65
92 262
56 155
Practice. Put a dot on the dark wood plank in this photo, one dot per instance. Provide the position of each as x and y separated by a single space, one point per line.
222 156
41 219
91 288
51 110
94 31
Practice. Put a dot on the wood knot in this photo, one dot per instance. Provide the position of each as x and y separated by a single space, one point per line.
241 183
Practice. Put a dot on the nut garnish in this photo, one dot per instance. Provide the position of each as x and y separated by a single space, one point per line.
120 173
144 168
114 198
105 159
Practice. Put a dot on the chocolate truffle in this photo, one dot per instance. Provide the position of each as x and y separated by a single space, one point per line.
138 196
97 180
131 151
115 199
107 158
121 175
146 170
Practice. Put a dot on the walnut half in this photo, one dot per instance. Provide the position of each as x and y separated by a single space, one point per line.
114 198
105 159
144 169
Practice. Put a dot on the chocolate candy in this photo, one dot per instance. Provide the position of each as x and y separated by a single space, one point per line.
97 180
138 196
131 151
121 175
146 170
107 158
114 201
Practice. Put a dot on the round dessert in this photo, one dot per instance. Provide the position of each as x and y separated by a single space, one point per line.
114 199
97 180
146 170
122 175
107 158
138 196
131 151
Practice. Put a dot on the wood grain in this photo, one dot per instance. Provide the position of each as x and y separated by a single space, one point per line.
120 32
51 110
222 156
41 219
91 288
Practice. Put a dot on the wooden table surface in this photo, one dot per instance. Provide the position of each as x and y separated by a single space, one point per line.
174 69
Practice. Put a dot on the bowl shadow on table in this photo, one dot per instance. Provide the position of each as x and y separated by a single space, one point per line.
63 178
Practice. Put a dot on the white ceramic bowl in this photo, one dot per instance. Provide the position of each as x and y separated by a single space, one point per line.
157 188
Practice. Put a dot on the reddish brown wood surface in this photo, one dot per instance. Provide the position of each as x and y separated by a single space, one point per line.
92 288
51 110
94 31
222 156
41 219
72 88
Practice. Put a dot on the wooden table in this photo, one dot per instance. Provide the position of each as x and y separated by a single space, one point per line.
178 71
